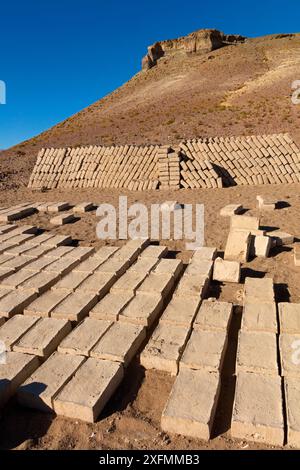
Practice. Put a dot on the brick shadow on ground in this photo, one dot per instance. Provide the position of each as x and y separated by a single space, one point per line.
222 422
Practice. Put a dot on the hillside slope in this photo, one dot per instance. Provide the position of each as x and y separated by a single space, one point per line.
243 88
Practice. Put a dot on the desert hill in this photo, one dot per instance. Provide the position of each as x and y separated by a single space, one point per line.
205 84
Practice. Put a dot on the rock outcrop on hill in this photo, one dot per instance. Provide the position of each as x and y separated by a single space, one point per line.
201 42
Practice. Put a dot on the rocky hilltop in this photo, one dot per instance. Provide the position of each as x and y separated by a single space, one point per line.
201 42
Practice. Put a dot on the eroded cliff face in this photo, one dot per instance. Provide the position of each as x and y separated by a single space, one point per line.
201 42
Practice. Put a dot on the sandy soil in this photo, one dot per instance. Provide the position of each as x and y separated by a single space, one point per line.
131 420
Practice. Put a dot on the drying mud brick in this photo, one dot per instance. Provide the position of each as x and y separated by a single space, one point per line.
257 352
205 350
97 283
106 252
213 315
181 311
258 316
259 289
89 265
154 251
84 337
120 343
244 222
44 337
2 321
58 206
258 409
110 307
281 238
226 271
13 372
169 267
40 389
200 267
81 253
292 394
89 390
62 266
59 252
113 266
71 281
192 285
39 282
14 280
63 219
289 317
43 305
261 246
130 281
143 265
165 347
231 209
191 406
155 284
75 306
83 207
57 240
289 345
142 310
14 329
237 245
15 302
205 253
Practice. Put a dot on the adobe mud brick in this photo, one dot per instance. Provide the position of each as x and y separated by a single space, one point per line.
44 337
39 282
16 369
113 266
201 267
57 240
181 311
259 289
71 281
231 209
292 393
192 285
43 305
14 280
39 239
89 265
204 253
289 317
257 352
120 343
261 246
2 321
213 315
244 222
143 265
258 409
83 207
56 253
142 310
237 245
57 207
97 283
14 329
81 253
192 404
40 389
205 350
84 337
61 266
75 306
226 271
289 354
155 284
281 238
259 316
89 390
165 347
154 251
15 302
169 267
130 281
106 252
35 265
16 263
63 219
110 307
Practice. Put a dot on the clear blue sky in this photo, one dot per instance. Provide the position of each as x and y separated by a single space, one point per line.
59 56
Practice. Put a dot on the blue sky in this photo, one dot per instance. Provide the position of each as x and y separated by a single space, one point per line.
59 56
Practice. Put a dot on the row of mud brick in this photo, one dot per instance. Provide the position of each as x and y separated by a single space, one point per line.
198 163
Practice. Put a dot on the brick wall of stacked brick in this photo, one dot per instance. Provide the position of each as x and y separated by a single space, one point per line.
198 163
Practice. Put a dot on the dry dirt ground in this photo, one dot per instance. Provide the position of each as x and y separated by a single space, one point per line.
131 420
